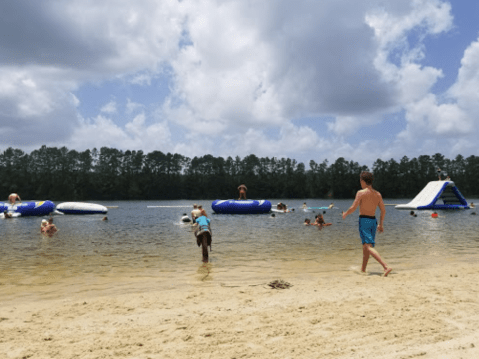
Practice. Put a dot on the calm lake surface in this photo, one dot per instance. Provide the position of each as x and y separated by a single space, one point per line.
153 248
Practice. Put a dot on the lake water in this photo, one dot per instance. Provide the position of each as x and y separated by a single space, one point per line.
153 248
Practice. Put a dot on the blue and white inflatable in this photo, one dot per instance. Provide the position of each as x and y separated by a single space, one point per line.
434 193
231 206
81 208
28 208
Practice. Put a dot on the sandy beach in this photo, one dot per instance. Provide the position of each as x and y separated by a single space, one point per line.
429 313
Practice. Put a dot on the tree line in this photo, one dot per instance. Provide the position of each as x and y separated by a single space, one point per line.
111 174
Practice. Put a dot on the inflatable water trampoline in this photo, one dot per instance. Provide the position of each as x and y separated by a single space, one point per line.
231 206
81 208
434 193
25 209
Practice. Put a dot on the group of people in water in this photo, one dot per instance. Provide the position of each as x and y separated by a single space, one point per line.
203 231
367 200
318 221
47 227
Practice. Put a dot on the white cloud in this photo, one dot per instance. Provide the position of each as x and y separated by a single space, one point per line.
133 106
109 108
135 135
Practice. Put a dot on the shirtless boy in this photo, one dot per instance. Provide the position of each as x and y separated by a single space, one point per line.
368 199
195 213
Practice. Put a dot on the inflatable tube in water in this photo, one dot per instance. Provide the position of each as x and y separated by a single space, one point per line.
231 206
81 208
29 208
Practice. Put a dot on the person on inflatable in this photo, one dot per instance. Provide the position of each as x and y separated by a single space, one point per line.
6 214
13 198
242 191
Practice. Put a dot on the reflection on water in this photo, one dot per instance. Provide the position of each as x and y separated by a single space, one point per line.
141 242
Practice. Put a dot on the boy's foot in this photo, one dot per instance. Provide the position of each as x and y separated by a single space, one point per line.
387 271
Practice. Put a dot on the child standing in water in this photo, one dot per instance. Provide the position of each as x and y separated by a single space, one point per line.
368 199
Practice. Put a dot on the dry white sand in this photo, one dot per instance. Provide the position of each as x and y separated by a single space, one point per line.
431 313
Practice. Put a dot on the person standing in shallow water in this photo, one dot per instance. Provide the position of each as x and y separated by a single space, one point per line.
368 199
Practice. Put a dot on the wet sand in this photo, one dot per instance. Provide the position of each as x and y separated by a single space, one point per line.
426 313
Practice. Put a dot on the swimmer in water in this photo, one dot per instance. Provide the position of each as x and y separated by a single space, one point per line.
50 229
43 225
320 222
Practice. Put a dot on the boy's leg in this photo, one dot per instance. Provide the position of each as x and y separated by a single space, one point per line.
365 257
377 257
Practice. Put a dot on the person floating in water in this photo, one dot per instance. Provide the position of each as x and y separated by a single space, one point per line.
305 206
472 205
368 199
307 222
6 214
242 191
331 205
13 198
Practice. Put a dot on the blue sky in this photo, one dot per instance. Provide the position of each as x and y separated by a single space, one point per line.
306 80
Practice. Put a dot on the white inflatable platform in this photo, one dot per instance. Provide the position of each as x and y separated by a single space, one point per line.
437 195
81 208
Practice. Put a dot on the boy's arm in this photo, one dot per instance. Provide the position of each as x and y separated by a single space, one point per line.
353 206
382 208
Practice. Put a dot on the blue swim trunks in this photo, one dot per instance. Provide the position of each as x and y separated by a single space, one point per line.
367 229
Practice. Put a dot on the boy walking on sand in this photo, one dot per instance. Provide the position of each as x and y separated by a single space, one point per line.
368 199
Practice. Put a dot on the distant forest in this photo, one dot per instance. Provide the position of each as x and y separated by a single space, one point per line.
111 174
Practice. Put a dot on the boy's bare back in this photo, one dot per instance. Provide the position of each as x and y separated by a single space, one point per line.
368 200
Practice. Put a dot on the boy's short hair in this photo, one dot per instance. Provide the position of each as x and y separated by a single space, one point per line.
367 177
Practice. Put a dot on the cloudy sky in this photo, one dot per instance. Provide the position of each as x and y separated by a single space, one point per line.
302 79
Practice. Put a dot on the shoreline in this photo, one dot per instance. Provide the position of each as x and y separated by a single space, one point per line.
427 313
